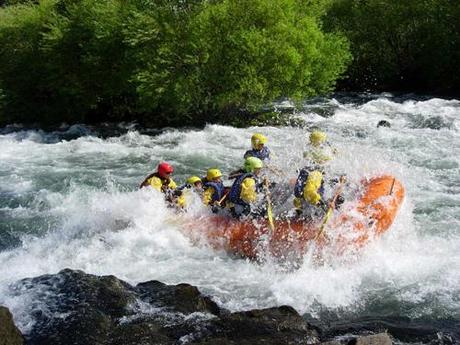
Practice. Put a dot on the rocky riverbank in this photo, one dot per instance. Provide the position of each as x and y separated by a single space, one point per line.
73 307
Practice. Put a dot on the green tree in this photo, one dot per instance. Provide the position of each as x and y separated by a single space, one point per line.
231 55
64 61
163 62
408 45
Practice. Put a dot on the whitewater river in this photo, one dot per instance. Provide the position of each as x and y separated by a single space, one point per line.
69 199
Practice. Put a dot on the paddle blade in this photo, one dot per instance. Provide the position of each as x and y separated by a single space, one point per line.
270 217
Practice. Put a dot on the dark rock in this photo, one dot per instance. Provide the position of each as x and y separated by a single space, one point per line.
183 298
73 307
383 123
375 339
281 325
403 329
9 334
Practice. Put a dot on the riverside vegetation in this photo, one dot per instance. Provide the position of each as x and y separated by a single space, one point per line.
174 63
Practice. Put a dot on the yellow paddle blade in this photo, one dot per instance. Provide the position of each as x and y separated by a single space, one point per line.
271 223
270 216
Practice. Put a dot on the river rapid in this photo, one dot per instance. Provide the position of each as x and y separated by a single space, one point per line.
69 199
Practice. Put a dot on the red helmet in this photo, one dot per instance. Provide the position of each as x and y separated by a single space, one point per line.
164 168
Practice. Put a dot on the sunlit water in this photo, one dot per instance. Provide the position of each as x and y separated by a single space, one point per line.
75 203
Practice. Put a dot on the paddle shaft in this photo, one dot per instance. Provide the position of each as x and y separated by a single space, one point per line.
271 223
392 185
223 198
330 210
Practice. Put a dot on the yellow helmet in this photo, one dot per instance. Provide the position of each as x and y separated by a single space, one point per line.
258 139
317 138
213 173
193 179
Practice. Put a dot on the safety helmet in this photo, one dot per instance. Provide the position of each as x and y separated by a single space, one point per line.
193 179
258 139
164 169
213 174
252 163
317 137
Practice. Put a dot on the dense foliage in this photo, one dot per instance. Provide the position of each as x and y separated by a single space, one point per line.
176 62
410 45
161 61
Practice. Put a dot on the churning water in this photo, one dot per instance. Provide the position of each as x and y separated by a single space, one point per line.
70 199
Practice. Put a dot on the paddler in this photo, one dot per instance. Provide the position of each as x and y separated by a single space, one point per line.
259 148
244 191
161 181
319 151
309 192
213 187
310 201
193 183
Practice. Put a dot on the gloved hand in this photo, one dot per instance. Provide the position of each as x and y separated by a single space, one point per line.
177 192
339 201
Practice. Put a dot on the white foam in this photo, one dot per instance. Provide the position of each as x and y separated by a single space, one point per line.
99 222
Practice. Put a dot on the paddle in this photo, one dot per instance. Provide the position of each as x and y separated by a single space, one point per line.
223 197
271 222
331 208
392 185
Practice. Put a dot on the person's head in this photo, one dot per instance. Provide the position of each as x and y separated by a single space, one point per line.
317 138
195 181
213 175
253 165
165 170
258 141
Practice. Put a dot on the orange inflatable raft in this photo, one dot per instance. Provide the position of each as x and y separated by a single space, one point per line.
349 228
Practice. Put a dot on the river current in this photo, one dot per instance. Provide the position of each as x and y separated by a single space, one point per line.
70 199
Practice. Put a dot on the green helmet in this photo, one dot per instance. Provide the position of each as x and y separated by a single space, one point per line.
252 163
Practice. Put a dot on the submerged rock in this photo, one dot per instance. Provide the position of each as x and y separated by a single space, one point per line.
9 334
375 339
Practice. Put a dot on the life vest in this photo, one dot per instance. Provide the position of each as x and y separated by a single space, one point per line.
235 191
261 154
218 190
169 183
302 179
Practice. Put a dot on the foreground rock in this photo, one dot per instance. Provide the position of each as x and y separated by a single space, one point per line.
78 308
73 307
9 334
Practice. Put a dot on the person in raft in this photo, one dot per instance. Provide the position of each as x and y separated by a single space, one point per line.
309 199
193 183
245 189
213 189
259 150
320 151
161 181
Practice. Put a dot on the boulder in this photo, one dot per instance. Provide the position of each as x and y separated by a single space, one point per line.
79 308
9 334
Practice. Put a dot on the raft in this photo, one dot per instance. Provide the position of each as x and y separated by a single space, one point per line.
351 227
